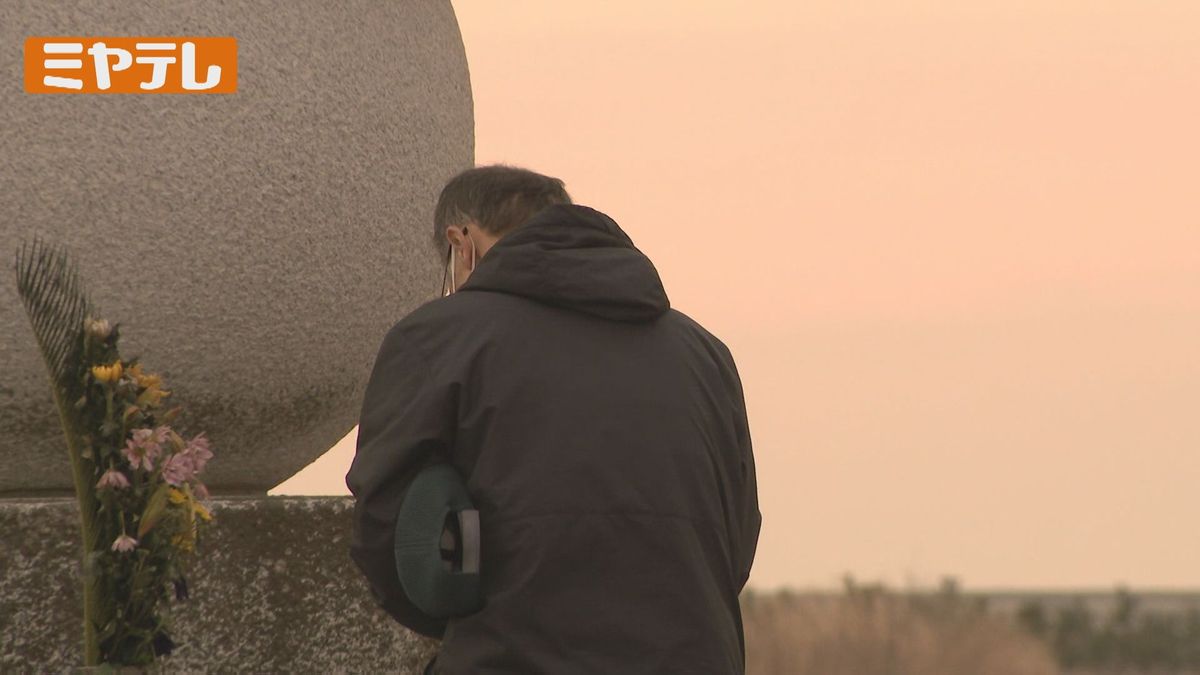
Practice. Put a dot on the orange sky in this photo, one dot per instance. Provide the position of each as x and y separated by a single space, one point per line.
954 248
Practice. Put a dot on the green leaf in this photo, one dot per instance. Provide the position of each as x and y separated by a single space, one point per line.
155 508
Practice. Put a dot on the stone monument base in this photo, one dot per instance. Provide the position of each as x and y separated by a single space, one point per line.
273 590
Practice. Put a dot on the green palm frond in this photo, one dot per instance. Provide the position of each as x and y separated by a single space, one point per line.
49 285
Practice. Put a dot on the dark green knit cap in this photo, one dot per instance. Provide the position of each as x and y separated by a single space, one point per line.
437 544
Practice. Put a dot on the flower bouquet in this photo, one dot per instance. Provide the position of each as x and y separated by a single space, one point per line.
142 508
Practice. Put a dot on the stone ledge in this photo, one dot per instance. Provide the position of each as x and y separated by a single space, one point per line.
274 591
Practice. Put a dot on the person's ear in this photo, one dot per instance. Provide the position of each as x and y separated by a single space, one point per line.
470 250
458 240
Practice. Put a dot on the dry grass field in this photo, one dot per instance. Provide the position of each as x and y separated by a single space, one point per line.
870 632
873 630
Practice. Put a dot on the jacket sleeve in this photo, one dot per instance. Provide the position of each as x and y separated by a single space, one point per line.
748 517
406 422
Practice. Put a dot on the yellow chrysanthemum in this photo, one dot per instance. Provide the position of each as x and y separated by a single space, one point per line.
176 496
184 542
151 397
154 393
107 374
144 379
199 509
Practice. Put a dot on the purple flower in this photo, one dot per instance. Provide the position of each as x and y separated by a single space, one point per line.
162 644
142 448
178 469
112 479
124 543
181 589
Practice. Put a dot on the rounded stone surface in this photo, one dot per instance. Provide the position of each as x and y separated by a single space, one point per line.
255 246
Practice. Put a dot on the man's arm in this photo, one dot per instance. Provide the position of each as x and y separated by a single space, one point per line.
406 422
748 517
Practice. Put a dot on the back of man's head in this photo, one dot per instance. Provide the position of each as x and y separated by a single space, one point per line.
497 197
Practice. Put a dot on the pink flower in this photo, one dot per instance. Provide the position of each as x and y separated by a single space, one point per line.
201 490
112 479
161 434
178 468
124 543
198 450
142 448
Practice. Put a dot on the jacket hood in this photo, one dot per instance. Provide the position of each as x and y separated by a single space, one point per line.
573 256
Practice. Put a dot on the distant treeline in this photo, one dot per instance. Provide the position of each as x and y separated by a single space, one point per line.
872 628
1127 637
1122 632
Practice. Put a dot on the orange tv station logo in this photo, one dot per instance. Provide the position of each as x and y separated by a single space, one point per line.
131 65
